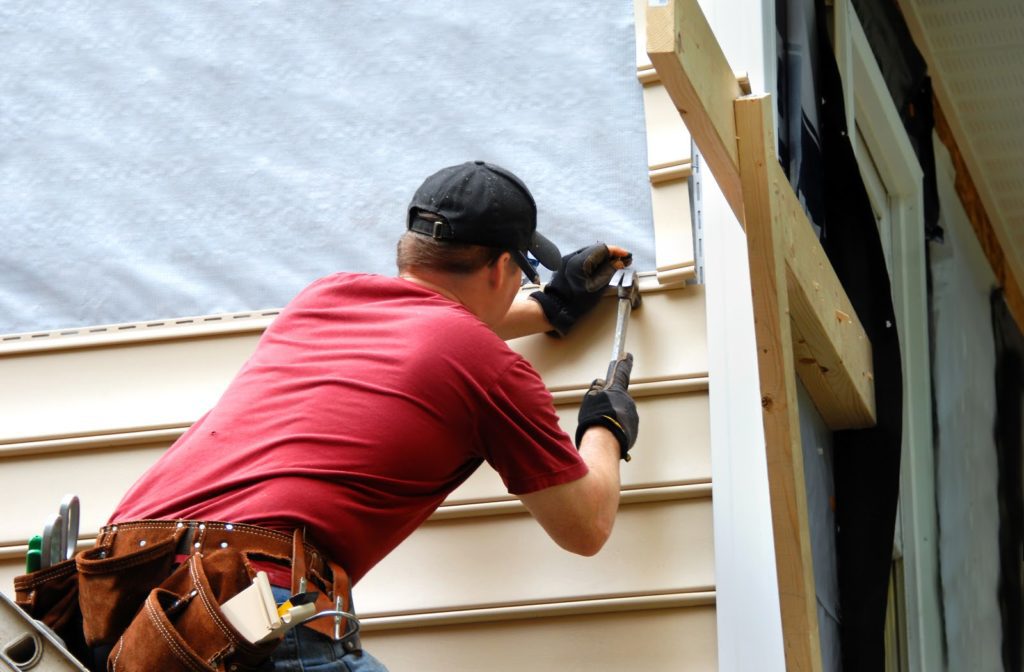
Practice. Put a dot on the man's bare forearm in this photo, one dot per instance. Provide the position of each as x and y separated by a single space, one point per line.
579 515
524 317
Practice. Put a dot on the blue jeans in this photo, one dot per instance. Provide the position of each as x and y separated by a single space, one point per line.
305 650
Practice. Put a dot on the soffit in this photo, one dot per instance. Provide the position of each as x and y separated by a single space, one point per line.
975 55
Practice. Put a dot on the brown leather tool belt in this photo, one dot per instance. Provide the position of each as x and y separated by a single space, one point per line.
258 545
149 593
202 536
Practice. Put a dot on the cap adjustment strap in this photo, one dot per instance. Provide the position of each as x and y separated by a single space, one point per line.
436 229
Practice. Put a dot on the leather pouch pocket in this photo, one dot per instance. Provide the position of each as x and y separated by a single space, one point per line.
181 626
112 589
50 595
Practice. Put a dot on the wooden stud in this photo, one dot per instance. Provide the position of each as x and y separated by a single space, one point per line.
744 80
767 250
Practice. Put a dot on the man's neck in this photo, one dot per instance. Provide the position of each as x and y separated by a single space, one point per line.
446 292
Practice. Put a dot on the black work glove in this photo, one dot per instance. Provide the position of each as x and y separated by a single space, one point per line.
608 404
577 286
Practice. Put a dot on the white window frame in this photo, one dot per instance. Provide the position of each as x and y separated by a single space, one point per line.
870 108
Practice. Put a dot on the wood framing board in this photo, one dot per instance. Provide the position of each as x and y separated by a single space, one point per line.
833 353
766 245
834 350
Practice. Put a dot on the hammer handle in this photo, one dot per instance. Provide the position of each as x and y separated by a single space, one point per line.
619 342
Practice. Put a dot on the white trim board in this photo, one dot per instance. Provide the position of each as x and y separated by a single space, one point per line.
748 614
870 108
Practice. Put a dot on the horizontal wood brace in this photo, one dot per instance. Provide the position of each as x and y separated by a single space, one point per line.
677 600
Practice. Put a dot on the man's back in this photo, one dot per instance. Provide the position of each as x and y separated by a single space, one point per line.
367 401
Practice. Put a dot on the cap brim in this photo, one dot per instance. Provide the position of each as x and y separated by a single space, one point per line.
545 252
527 267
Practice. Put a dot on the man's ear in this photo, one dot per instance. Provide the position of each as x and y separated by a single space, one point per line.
498 271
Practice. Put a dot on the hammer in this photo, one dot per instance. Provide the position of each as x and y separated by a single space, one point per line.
628 292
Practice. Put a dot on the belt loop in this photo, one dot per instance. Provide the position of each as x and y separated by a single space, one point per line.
187 544
199 536
298 560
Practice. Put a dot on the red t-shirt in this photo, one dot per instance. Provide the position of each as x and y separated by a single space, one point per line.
367 401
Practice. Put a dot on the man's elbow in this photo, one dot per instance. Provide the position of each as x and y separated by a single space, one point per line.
588 540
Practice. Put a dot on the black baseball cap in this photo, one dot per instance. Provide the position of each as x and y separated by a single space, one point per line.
483 204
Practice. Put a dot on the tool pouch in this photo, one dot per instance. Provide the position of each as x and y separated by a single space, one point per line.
181 625
51 596
111 589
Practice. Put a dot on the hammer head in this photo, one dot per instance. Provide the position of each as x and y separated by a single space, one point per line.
626 286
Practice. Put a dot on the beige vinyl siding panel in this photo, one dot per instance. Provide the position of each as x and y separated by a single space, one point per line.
505 560
479 586
668 141
100 474
686 462
119 386
166 379
482 562
480 557
666 333
658 640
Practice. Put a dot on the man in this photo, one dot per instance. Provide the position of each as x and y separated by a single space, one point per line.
370 399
